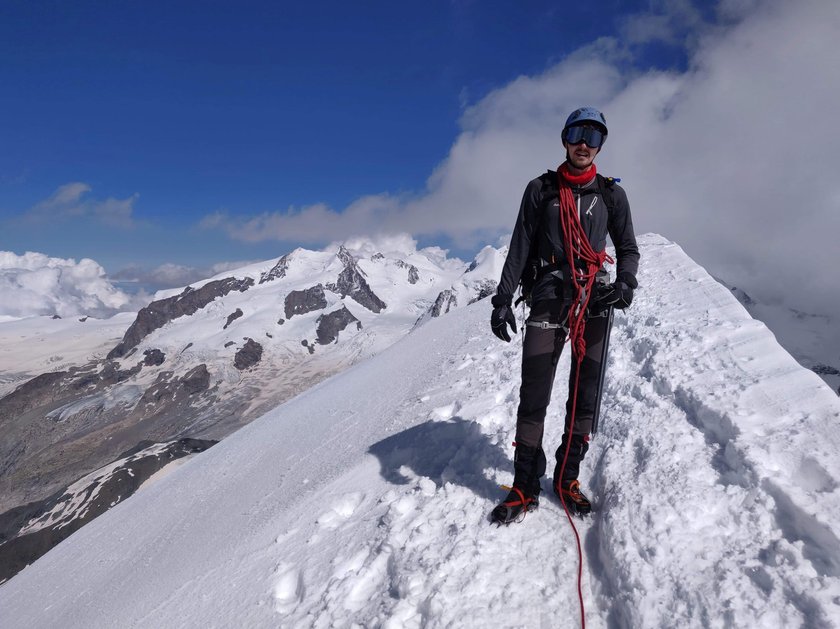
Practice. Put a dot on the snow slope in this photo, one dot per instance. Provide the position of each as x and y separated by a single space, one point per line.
363 501
813 339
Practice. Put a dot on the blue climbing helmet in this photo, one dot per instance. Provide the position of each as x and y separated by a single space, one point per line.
578 120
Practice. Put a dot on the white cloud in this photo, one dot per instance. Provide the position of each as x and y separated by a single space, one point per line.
68 194
733 159
35 284
387 244
174 274
171 275
667 21
67 201
312 224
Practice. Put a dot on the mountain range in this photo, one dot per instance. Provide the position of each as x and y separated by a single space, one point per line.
193 366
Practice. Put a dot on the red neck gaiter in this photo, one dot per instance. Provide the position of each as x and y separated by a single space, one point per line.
577 180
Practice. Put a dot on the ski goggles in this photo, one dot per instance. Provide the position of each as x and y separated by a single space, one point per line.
592 136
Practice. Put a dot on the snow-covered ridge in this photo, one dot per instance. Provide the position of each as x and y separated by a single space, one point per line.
364 500
813 339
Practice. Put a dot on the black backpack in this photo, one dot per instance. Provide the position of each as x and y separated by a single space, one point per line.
536 269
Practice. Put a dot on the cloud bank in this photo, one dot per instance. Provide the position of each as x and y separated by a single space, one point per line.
733 158
170 275
35 284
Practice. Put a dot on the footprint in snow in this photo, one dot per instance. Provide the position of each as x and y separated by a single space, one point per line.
445 412
341 511
288 588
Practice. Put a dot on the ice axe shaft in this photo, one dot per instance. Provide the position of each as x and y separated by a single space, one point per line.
602 372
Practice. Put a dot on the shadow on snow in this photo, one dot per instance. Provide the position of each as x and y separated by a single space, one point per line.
452 451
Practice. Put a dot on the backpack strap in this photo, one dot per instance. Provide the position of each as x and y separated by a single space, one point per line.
536 270
606 190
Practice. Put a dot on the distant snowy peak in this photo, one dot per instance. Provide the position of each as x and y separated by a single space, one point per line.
351 283
488 262
476 282
278 271
305 282
159 313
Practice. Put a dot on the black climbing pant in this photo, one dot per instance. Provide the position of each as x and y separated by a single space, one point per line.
540 355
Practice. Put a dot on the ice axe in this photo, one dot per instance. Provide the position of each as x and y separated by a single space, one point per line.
602 372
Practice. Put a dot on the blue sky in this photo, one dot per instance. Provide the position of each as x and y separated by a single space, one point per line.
182 109
168 141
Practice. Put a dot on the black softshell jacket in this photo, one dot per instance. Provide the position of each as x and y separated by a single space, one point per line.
538 233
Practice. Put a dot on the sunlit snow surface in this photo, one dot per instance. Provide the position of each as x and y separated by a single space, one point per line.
364 501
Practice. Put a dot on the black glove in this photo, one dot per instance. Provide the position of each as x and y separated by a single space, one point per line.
502 317
619 294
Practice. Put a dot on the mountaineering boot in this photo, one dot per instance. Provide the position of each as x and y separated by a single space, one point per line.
577 450
528 466
568 485
576 501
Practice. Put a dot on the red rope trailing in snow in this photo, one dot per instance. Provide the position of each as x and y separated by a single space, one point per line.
577 246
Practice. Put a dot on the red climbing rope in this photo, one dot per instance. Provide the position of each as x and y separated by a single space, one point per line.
577 247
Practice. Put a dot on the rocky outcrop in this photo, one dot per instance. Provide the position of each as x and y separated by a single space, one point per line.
825 370
248 356
110 374
153 358
413 273
233 317
160 312
166 388
278 271
329 325
300 302
739 294
445 301
351 283
39 391
485 288
196 380
30 530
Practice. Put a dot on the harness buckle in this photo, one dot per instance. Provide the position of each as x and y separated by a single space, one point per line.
544 325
